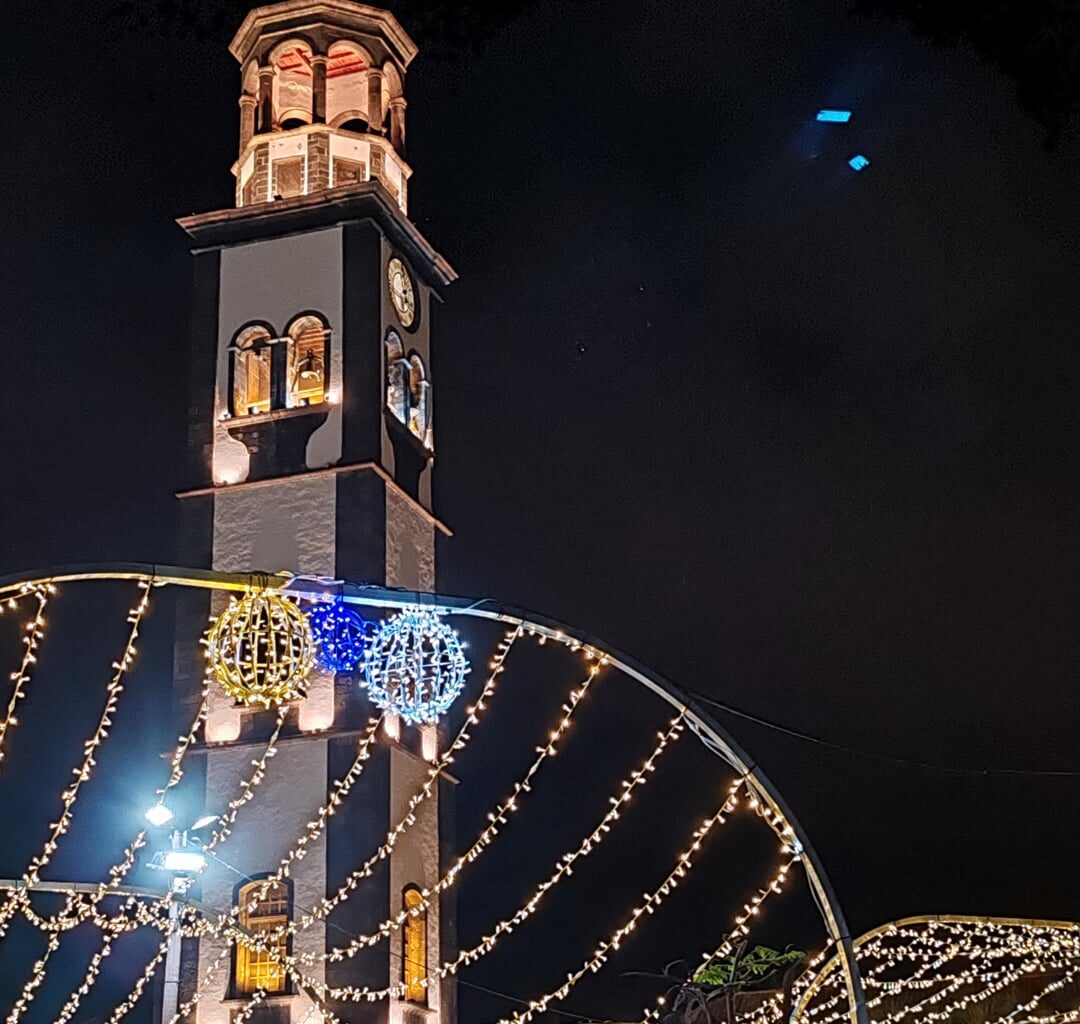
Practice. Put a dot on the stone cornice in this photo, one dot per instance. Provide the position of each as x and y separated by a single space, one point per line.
294 14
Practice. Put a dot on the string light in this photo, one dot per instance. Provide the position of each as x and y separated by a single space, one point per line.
496 668
261 649
948 967
416 666
222 831
37 976
342 636
957 964
648 905
33 633
82 773
496 818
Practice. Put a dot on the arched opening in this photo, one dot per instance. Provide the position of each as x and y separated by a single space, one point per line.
292 84
397 375
414 946
252 372
263 909
346 87
394 104
419 401
307 361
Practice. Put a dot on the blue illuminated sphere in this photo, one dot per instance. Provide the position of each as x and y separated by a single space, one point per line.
416 667
342 636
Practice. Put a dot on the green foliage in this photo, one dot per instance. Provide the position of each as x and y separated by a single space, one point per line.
754 968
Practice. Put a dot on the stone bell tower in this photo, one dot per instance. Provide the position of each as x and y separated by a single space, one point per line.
311 448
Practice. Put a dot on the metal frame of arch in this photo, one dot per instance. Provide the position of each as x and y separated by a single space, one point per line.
905 922
711 733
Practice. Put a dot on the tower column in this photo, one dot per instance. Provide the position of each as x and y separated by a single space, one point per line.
248 103
266 98
318 88
397 124
374 93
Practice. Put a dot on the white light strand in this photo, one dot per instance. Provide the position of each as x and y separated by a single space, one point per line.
563 869
37 976
472 717
649 903
225 922
124 1008
33 632
741 926
82 773
496 818
88 909
223 829
935 954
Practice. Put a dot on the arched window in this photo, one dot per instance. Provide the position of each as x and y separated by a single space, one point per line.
251 372
263 908
292 84
306 363
414 946
419 401
397 374
346 87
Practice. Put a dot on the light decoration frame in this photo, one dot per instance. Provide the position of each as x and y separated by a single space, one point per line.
343 636
261 649
715 739
416 666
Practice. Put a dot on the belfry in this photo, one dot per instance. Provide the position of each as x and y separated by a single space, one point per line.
311 447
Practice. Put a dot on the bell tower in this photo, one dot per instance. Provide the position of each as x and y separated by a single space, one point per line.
311 448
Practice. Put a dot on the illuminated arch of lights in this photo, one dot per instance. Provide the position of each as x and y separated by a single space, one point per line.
942 965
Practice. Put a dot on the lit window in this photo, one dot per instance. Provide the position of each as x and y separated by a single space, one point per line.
419 401
408 391
397 372
262 908
306 362
252 355
414 947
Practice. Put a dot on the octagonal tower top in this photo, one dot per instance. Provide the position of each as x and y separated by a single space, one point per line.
322 102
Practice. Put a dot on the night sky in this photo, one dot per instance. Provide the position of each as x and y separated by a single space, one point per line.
802 439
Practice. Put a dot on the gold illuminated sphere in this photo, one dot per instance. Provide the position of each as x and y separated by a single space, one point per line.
261 649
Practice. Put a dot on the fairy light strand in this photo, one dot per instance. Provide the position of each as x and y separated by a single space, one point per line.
496 819
83 772
564 868
33 633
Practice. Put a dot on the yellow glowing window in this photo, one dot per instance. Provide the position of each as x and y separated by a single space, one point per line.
263 909
307 362
414 947
251 373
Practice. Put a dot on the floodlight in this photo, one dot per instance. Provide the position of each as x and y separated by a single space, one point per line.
206 819
188 861
159 815
858 162
834 116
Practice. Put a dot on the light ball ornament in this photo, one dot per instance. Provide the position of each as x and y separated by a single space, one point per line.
342 636
416 667
261 649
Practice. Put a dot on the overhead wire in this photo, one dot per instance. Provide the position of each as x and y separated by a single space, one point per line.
906 762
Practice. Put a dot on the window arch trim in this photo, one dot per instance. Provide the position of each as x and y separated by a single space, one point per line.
295 392
250 969
236 350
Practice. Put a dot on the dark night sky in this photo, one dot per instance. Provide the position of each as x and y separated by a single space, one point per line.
801 439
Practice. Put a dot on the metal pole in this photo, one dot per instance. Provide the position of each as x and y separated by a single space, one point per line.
170 998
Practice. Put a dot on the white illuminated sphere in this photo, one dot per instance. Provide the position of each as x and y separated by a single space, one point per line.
416 667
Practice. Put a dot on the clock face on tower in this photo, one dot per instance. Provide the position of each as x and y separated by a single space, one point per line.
402 292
